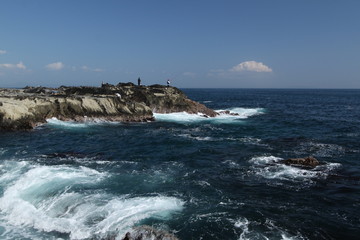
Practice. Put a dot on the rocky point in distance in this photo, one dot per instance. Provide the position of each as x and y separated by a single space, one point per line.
22 109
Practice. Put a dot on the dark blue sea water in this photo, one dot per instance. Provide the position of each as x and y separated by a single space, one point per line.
196 177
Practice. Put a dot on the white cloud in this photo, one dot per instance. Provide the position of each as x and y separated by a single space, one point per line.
189 74
19 65
86 68
55 66
251 66
2 52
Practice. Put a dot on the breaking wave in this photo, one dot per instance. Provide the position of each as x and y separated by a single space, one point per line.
73 124
231 115
64 199
269 167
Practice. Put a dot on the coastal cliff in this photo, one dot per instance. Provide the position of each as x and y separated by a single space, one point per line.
22 109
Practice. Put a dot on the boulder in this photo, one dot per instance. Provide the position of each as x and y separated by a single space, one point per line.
306 162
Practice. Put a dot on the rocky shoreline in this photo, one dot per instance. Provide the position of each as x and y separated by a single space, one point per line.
23 109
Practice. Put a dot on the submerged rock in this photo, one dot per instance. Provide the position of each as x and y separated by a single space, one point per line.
22 109
306 162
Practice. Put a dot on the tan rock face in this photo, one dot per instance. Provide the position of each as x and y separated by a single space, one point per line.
25 108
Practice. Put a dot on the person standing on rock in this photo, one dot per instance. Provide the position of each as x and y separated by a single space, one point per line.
139 82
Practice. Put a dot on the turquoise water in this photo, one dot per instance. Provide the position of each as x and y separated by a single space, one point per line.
196 177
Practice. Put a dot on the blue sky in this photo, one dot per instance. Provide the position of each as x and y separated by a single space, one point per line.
197 43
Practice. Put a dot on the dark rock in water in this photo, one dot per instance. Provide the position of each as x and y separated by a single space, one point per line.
127 236
149 233
227 112
306 162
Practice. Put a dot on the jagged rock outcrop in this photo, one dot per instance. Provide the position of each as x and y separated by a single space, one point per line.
25 108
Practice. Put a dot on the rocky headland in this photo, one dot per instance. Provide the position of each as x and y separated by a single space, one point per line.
22 109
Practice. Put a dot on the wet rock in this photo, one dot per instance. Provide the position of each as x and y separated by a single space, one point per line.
306 162
227 112
149 233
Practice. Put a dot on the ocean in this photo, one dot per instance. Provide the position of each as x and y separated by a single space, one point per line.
194 177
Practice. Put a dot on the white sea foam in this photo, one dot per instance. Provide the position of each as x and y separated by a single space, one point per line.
235 115
68 124
2 151
243 224
198 138
264 160
242 112
203 183
73 124
248 231
250 140
181 117
270 168
231 164
11 170
46 199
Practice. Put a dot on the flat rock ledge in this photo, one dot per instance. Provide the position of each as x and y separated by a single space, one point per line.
23 109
